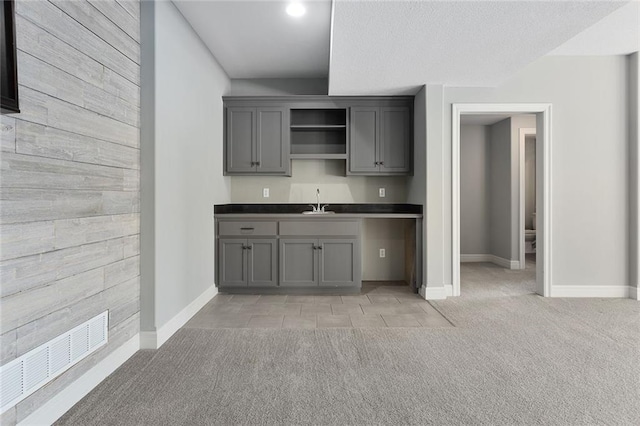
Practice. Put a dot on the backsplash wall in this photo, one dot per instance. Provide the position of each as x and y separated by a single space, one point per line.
328 176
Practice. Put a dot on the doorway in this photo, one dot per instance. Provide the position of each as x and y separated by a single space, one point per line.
542 184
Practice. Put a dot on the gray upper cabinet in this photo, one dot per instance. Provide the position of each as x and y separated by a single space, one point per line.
257 141
380 140
363 148
395 140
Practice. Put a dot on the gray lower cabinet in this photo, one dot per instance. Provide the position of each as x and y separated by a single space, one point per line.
248 262
338 262
298 262
380 140
325 262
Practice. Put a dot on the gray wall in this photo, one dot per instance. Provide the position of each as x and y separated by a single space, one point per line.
187 167
328 176
390 235
590 118
529 181
70 181
634 166
475 145
500 183
278 86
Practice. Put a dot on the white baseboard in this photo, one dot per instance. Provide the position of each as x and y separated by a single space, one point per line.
435 293
500 261
634 293
621 291
448 289
155 339
53 409
466 258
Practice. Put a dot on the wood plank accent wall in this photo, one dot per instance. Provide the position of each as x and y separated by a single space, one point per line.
69 181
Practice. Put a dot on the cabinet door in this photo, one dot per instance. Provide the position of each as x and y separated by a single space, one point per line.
363 139
395 139
262 263
298 262
272 147
232 262
339 262
241 140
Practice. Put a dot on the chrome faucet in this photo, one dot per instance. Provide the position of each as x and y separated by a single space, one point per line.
317 208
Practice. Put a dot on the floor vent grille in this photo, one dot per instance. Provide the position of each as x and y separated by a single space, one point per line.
28 373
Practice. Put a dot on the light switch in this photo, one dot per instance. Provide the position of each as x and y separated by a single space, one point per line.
383 253
265 192
382 193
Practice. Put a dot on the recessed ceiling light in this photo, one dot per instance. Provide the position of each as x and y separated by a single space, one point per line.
296 9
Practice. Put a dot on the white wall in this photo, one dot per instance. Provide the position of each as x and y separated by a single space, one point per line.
589 168
188 175
474 189
634 166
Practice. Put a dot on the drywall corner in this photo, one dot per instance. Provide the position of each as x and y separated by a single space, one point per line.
634 170
147 166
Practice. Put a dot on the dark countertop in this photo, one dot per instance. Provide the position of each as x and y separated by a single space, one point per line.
368 208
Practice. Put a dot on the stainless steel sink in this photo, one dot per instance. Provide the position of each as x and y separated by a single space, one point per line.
319 212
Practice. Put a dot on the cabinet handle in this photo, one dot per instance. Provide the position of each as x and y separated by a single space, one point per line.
381 163
249 247
247 229
376 163
319 247
257 163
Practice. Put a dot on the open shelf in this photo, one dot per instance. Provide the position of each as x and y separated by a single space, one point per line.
319 156
318 126
319 117
319 134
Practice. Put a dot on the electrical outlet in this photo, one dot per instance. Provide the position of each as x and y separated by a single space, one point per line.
265 192
383 253
382 193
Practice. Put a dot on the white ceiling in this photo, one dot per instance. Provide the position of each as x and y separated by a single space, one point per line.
393 47
616 34
257 39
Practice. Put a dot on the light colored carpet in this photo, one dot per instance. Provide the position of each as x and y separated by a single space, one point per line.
514 358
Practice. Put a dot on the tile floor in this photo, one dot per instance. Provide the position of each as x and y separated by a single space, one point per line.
378 305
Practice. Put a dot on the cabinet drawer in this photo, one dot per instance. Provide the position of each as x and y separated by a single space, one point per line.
247 228
320 228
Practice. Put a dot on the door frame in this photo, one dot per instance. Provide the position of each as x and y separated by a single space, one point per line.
523 133
544 245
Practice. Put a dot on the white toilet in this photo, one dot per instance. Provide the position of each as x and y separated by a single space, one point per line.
530 236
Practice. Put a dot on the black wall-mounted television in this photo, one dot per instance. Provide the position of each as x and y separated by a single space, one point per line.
9 74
